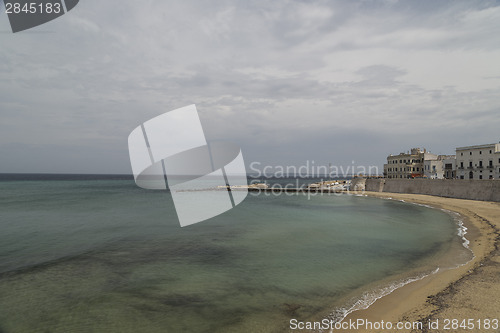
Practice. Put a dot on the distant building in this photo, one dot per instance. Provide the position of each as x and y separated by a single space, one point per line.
478 162
435 168
407 165
450 167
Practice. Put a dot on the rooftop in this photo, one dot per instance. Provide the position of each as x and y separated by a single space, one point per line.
490 145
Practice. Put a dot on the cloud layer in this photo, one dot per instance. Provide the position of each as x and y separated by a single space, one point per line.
329 81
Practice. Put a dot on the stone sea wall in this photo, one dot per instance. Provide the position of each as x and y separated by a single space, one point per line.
485 190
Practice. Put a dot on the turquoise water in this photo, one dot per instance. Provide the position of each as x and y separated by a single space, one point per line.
106 256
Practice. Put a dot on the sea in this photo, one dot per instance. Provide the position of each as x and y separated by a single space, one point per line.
96 253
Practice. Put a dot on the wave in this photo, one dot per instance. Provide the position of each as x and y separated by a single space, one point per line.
462 229
370 297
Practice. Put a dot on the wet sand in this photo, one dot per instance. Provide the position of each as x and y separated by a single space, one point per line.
470 292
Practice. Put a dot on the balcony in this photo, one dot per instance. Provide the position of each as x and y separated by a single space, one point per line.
461 168
470 167
490 167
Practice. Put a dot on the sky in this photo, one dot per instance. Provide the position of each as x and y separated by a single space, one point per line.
341 82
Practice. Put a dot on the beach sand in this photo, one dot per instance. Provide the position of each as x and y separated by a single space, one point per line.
470 292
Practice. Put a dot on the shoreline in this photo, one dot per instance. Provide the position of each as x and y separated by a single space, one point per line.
451 293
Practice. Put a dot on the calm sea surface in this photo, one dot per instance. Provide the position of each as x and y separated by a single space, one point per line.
99 254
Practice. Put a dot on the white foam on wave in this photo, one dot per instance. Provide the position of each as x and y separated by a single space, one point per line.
462 229
370 297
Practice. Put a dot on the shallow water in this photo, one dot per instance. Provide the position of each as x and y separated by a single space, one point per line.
103 255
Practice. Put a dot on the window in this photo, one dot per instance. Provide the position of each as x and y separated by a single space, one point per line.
461 154
480 164
491 163
480 176
462 165
470 164
490 151
462 177
470 153
480 152
417 169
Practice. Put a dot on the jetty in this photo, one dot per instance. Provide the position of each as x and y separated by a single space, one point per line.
331 186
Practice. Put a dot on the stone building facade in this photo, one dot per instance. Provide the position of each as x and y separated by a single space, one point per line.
478 162
408 165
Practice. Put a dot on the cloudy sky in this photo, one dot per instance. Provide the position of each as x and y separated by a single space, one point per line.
289 81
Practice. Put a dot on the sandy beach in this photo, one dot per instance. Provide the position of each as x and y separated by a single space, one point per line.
465 299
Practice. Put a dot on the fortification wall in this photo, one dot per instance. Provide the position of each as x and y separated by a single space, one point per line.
358 184
375 185
485 190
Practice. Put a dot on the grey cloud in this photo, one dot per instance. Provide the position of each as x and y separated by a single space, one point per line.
266 74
